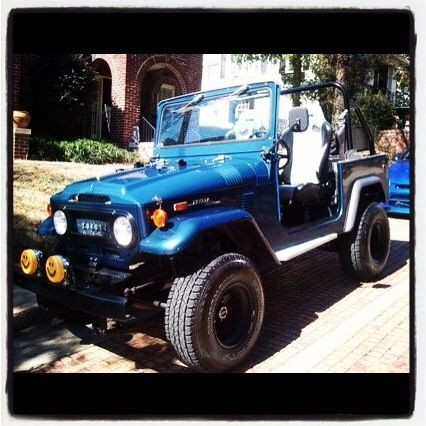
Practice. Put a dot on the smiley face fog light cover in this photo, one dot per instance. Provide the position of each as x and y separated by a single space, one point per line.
30 261
57 268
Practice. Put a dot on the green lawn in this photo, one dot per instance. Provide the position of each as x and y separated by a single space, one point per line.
33 184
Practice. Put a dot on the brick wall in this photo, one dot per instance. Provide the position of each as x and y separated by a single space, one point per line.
21 140
130 76
16 83
22 81
129 72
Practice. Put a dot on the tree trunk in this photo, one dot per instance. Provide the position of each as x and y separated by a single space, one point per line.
341 67
296 63
296 78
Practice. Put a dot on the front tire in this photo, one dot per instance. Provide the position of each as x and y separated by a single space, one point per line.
365 250
214 315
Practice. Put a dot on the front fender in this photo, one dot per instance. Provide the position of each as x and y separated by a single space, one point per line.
46 227
182 230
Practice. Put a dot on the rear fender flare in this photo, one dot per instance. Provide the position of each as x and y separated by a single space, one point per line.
355 198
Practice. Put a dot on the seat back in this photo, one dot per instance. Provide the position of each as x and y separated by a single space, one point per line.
310 152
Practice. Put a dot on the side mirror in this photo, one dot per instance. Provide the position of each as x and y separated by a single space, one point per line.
298 119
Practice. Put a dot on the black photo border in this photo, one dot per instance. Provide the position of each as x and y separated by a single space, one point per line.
212 396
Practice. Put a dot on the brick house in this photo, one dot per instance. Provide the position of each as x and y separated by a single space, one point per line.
132 84
128 89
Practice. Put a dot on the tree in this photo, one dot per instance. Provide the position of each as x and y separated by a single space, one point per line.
62 93
298 63
351 70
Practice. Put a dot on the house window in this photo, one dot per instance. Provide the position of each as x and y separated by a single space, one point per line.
166 91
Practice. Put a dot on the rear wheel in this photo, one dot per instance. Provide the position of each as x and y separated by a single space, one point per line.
214 315
365 250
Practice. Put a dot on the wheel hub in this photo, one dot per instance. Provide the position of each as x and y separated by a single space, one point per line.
233 316
223 312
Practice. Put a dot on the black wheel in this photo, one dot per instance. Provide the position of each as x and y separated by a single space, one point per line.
214 315
364 251
62 311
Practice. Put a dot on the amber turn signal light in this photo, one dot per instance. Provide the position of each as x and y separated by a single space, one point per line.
159 217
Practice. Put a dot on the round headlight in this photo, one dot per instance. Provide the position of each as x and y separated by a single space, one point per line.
123 231
60 222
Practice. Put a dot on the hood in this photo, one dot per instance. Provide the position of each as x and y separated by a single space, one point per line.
141 185
399 172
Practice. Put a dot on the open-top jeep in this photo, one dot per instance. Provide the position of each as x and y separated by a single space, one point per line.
241 181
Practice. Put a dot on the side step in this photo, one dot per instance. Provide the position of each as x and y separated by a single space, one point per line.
294 251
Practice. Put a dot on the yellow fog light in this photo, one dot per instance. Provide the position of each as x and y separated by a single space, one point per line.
56 268
29 261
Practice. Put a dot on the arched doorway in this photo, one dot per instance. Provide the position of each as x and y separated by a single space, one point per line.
100 122
159 83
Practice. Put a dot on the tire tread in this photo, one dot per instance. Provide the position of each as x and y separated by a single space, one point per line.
184 299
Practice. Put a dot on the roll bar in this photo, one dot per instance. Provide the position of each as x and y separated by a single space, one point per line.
324 85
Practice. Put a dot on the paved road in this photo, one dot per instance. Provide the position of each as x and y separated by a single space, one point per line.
316 320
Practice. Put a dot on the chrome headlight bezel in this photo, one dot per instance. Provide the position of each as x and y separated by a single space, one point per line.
60 222
123 224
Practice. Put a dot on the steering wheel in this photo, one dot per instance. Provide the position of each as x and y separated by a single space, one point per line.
283 155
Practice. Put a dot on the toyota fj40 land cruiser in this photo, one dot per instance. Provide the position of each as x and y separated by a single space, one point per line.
240 182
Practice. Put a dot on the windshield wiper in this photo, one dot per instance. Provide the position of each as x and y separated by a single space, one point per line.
197 99
240 91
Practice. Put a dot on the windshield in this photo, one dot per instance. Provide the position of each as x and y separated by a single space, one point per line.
233 117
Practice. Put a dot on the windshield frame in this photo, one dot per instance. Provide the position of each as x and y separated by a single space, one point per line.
231 145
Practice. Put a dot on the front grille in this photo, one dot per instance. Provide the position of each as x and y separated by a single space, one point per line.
91 231
93 228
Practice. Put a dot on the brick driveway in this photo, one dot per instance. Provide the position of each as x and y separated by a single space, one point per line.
316 320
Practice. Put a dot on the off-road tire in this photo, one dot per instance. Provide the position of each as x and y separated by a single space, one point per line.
58 309
196 311
364 251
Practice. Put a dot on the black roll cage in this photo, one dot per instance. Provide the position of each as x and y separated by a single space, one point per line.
347 105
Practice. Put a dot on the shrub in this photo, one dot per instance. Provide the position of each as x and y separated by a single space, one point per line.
79 151
378 110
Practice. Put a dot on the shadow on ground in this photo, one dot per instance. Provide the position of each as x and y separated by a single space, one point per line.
294 294
24 235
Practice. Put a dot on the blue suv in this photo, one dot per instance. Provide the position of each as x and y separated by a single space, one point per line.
242 180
